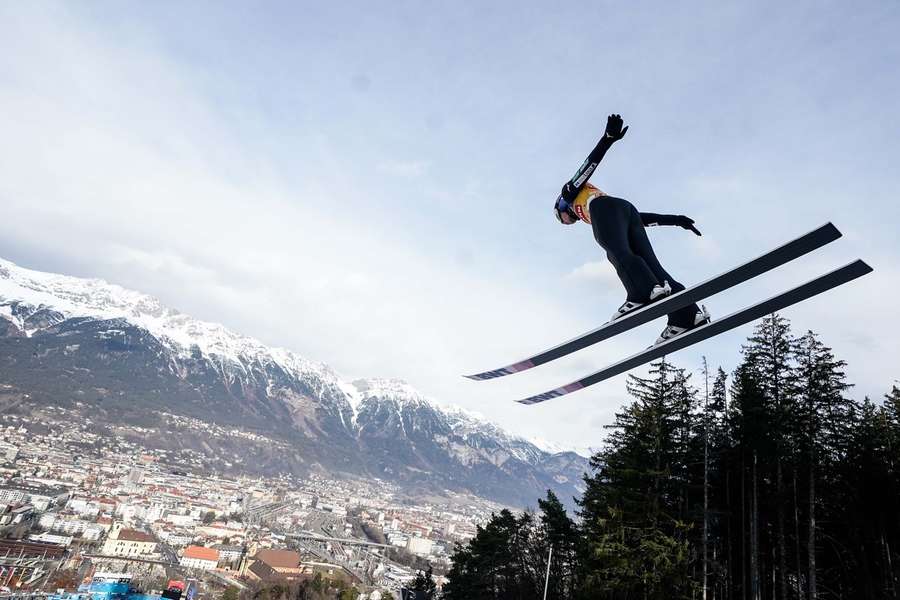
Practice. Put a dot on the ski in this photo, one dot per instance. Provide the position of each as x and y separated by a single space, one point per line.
831 280
804 244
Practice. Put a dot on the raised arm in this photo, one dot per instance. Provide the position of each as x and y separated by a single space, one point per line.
614 132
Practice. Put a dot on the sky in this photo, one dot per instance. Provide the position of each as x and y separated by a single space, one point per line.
371 187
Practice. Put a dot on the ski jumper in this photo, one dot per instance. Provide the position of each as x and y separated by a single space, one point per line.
620 230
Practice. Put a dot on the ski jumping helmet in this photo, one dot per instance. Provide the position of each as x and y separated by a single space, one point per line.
564 211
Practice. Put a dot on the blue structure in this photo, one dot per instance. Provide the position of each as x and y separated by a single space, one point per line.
106 586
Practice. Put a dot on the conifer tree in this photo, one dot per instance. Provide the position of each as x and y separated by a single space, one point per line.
635 506
496 563
424 584
750 421
824 415
559 533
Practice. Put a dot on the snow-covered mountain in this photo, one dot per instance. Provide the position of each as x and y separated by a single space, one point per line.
73 297
69 339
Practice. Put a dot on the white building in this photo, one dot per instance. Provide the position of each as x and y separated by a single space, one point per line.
214 531
419 546
174 538
135 476
39 496
83 506
198 557
73 527
130 512
154 512
129 542
14 514
8 454
12 496
230 554
181 520
47 520
62 540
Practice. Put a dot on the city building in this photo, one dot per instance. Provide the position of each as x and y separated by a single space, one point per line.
129 542
14 514
8 454
135 476
175 538
49 538
229 554
271 563
74 527
419 546
199 557
39 496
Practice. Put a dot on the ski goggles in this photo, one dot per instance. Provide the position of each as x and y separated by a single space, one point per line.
564 211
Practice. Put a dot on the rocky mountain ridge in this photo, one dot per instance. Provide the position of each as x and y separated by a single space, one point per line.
66 339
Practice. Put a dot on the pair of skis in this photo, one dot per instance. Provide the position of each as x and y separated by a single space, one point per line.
794 249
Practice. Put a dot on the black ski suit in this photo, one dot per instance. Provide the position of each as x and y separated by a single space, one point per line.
620 230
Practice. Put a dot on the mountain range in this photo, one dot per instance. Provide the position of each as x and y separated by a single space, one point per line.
123 357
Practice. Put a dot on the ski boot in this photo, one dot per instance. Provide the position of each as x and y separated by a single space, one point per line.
659 291
701 318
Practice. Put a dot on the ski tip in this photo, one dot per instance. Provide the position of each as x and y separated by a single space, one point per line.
832 230
502 372
862 266
560 391
486 375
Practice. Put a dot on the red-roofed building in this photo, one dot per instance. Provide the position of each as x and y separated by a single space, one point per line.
198 557
273 563
105 522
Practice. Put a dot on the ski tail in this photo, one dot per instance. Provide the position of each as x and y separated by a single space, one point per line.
820 284
785 253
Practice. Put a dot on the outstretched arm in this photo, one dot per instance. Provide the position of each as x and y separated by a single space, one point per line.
614 132
653 219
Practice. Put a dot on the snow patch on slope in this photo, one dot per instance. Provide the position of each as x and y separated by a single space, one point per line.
6 312
396 389
555 448
354 396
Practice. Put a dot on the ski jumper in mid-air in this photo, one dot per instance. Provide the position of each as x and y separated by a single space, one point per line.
651 291
620 230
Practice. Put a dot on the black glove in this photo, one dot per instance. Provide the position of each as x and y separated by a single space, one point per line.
614 129
685 222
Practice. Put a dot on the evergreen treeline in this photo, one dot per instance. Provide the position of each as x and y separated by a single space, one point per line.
770 484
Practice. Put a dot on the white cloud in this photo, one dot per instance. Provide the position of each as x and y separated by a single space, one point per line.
600 270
